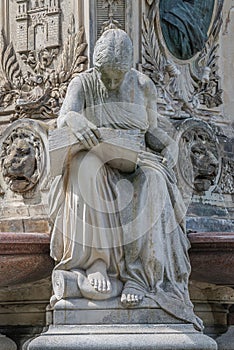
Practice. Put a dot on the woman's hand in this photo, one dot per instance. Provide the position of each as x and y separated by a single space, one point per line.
85 131
170 155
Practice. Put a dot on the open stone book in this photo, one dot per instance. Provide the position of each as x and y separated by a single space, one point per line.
119 148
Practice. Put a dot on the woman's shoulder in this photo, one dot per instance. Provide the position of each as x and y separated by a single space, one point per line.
82 76
143 80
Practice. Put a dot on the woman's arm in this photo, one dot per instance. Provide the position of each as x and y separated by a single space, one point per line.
72 115
73 102
156 138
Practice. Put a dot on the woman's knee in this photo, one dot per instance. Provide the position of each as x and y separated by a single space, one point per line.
154 177
89 167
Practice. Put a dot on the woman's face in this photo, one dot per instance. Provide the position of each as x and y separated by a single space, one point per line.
112 78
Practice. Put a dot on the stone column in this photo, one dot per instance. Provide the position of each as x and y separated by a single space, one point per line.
78 11
227 59
4 16
134 27
89 22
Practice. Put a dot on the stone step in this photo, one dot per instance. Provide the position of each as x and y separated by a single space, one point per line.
123 337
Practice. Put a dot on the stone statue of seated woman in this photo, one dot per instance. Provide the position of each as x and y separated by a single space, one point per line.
118 233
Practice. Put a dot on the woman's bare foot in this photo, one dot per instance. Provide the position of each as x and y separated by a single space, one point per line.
131 297
98 277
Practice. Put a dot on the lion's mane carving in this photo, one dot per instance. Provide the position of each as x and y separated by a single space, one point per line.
199 160
21 160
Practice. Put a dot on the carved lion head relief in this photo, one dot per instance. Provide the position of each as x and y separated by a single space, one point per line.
20 160
204 162
199 161
22 157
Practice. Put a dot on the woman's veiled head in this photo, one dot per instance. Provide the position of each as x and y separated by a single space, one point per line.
114 49
113 57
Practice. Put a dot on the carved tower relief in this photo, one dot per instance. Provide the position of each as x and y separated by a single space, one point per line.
38 25
37 69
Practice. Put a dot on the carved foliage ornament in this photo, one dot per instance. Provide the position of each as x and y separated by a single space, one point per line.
185 74
39 88
227 180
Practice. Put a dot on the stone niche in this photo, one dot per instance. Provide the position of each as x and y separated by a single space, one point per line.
44 44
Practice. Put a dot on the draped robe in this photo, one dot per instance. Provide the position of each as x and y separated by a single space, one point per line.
134 221
183 28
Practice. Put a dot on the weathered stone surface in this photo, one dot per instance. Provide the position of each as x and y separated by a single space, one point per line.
13 226
6 343
83 311
24 225
24 257
119 337
212 249
24 306
226 341
36 226
184 90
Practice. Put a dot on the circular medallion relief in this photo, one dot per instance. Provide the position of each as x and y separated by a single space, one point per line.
185 25
22 156
199 163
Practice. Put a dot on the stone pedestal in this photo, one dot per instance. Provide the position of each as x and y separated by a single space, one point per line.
124 337
226 341
82 324
83 311
6 343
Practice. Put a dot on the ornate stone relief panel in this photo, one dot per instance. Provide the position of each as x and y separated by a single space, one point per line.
36 71
38 24
35 82
188 83
110 12
180 54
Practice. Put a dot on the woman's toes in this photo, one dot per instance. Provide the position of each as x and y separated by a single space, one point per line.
95 284
136 299
108 286
100 286
92 282
123 299
131 299
104 286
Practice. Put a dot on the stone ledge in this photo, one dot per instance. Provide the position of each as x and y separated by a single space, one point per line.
122 337
83 311
211 257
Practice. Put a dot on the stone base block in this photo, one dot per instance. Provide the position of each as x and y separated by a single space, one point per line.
226 341
83 311
6 343
123 337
